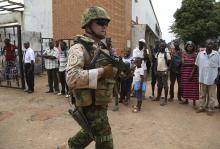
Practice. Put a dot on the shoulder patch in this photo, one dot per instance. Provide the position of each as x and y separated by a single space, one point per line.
73 60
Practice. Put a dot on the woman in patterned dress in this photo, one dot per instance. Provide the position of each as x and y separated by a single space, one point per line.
189 75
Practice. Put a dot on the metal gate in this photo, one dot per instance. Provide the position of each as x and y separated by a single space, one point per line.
11 70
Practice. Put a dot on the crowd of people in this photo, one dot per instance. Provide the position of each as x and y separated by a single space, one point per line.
93 86
55 58
55 62
195 71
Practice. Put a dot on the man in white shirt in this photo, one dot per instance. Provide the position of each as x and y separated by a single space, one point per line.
142 52
208 62
216 48
29 59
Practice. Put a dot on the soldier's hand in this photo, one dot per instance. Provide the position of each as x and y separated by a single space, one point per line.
108 71
100 72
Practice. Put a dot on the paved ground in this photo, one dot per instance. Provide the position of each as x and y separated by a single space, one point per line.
39 121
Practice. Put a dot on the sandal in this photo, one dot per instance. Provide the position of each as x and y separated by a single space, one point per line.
199 110
210 113
184 102
135 110
170 100
217 107
126 103
163 103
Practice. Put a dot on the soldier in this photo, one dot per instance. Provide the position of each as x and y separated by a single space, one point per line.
92 87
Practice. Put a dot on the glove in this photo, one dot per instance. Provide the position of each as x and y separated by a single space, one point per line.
108 72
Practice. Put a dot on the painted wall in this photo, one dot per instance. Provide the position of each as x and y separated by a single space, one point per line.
142 11
38 17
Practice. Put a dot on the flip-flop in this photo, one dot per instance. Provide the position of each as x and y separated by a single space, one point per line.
135 110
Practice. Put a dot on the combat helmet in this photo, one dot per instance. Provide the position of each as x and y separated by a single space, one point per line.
92 13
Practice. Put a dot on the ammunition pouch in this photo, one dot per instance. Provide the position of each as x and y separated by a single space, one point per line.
83 97
104 92
102 95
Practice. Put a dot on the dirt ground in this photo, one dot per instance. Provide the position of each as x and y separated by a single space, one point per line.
41 121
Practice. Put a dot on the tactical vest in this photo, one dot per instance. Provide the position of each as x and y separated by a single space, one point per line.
104 92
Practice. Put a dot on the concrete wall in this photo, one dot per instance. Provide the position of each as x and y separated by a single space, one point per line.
38 17
143 12
138 32
33 38
35 44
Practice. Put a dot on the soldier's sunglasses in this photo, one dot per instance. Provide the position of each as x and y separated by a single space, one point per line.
102 22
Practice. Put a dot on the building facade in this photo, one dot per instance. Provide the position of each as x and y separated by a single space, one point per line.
144 23
130 19
66 23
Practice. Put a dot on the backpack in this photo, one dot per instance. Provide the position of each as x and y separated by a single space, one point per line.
166 60
165 57
176 62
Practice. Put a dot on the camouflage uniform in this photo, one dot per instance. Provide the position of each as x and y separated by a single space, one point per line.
81 80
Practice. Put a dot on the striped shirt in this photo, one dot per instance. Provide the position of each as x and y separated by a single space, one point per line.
63 60
51 63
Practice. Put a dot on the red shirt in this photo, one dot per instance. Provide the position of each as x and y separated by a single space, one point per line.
10 54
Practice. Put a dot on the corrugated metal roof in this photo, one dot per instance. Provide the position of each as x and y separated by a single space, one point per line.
8 6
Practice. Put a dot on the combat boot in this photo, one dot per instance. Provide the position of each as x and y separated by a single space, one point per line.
64 146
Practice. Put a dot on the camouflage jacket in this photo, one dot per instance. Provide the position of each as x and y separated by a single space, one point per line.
81 80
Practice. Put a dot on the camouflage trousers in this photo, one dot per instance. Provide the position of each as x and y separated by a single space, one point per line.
100 127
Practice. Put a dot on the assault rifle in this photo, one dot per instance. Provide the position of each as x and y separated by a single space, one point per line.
81 119
114 60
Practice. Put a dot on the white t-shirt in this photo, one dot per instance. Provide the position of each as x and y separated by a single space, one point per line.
140 53
161 62
29 55
137 74
208 66
127 60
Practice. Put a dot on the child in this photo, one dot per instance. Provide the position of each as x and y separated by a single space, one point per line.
138 80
